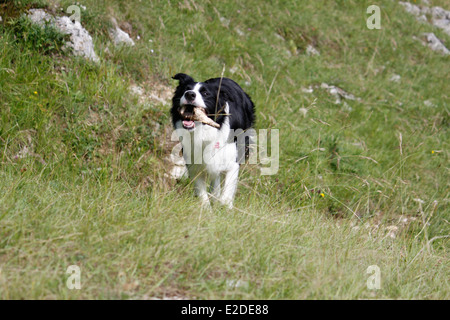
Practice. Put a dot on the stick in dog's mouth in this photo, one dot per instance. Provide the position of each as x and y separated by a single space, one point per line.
198 114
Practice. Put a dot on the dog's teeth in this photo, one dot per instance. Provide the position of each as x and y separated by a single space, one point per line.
182 110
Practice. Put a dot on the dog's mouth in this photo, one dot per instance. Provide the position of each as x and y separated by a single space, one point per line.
187 115
190 113
188 124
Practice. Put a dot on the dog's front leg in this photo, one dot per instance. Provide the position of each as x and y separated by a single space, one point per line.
230 186
216 187
200 190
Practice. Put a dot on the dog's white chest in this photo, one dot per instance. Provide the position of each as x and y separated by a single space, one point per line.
219 156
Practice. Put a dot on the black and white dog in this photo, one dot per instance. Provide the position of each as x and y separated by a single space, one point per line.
206 116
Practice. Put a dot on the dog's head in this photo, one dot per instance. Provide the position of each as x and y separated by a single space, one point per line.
204 96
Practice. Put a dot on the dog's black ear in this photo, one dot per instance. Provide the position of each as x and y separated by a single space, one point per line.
183 78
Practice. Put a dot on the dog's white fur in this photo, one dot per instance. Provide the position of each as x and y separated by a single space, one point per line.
219 157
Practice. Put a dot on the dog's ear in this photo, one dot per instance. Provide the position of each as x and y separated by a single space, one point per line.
183 78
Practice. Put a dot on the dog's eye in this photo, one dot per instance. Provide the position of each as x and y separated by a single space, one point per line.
205 93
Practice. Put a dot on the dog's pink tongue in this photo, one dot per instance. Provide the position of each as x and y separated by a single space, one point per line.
188 124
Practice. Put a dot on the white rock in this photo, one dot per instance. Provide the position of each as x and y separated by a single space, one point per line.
440 16
137 90
429 104
395 78
324 85
440 13
40 17
233 69
443 24
435 44
310 89
425 10
239 32
411 8
311 51
237 284
177 160
279 36
422 18
338 93
419 12
441 19
178 172
225 22
120 37
178 169
80 40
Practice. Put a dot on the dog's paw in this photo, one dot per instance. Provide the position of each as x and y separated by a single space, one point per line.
227 202
205 205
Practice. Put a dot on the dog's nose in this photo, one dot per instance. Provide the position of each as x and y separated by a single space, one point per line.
190 95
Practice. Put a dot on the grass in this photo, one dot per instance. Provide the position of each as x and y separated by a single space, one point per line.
360 183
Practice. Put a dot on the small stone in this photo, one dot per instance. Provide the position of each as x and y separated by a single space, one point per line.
311 51
428 103
233 70
308 90
120 37
237 284
422 18
239 32
395 78
435 44
225 22
410 8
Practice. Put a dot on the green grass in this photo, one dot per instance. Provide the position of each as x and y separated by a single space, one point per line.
82 163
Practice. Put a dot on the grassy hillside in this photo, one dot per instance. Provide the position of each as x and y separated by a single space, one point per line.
83 160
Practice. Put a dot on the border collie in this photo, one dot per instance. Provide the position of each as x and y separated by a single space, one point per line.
206 116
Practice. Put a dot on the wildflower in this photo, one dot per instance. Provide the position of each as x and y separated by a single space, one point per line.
322 195
35 92
432 151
